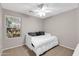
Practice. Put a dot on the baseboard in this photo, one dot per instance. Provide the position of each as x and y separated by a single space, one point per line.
12 47
66 47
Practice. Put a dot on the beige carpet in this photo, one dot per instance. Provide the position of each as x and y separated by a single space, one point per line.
24 51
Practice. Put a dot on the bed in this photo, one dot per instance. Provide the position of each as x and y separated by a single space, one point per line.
76 51
40 43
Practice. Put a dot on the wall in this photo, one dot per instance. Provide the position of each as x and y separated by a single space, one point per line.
29 24
0 29
77 24
64 26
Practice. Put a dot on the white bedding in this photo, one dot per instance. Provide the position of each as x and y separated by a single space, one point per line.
41 43
40 40
76 52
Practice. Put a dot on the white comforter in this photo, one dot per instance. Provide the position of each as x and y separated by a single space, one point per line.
40 40
76 52
41 43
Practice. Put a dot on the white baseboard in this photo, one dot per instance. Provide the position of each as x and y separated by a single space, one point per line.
12 47
66 47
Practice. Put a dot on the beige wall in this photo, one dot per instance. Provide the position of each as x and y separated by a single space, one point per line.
77 12
64 26
29 24
0 29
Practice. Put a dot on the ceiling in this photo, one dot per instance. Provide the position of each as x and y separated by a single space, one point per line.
26 7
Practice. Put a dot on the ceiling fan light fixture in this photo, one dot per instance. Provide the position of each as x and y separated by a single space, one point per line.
41 14
41 10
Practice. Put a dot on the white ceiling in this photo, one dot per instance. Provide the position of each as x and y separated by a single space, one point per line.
25 7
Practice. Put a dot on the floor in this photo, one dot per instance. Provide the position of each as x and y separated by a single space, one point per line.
24 51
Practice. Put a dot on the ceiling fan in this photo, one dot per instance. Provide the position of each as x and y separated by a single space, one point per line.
42 10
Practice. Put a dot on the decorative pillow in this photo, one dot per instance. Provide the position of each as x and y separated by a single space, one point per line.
36 33
32 34
40 33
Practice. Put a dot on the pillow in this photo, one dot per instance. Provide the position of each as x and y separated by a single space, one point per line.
36 33
40 33
32 34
